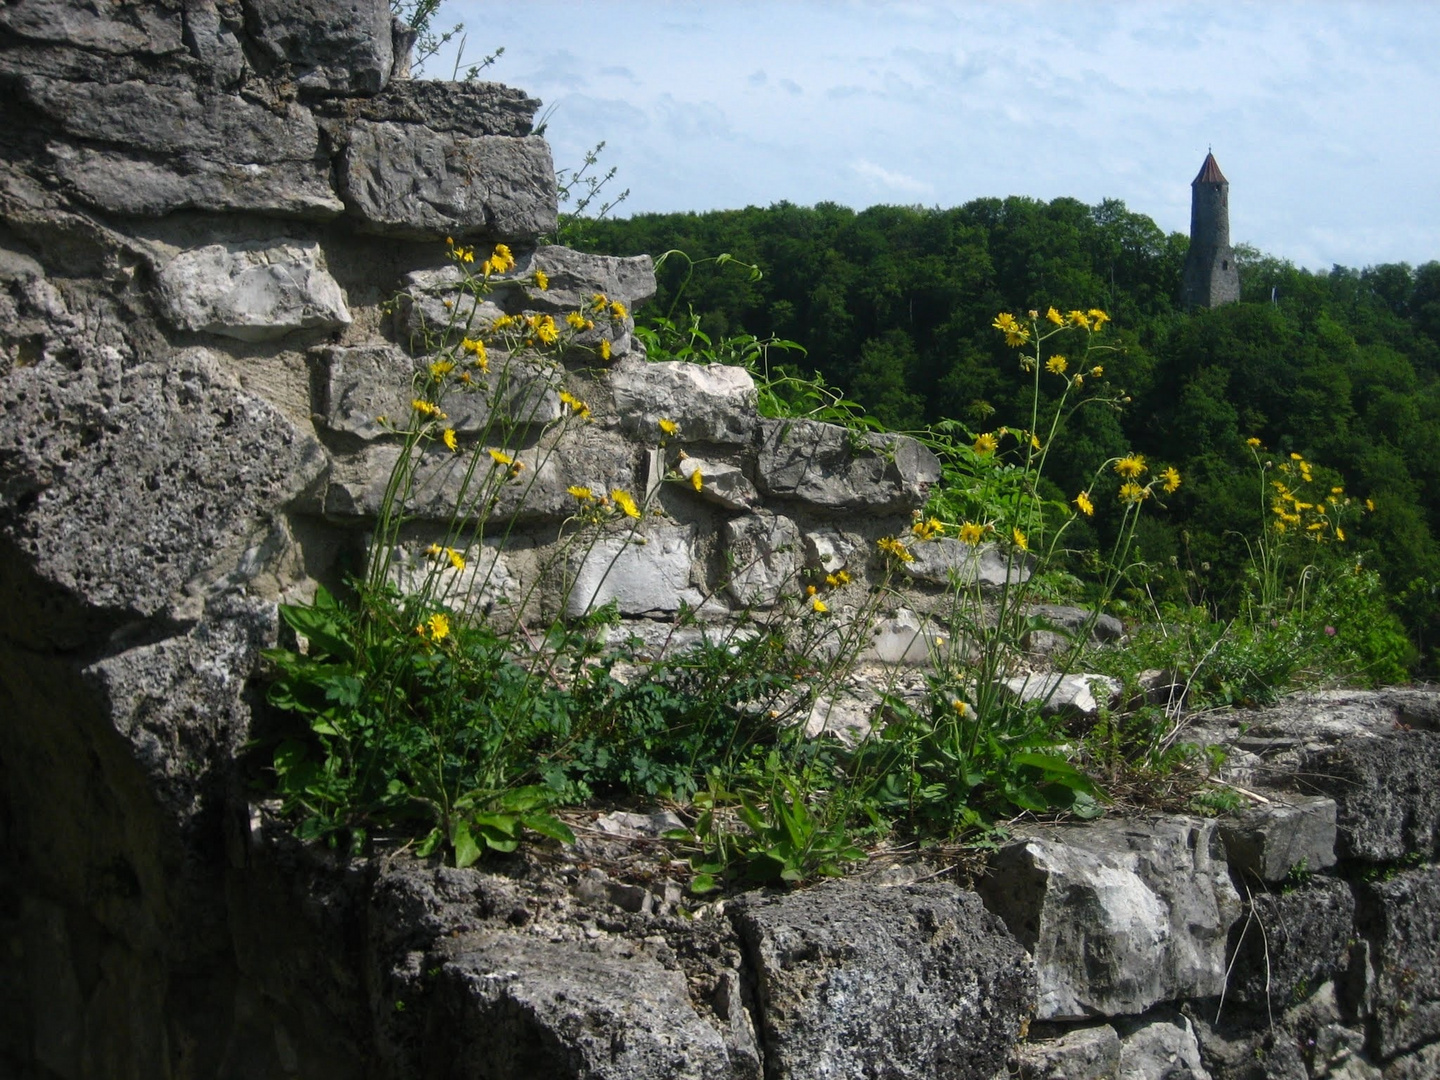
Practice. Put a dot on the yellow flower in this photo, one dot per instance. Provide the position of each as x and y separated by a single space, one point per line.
542 280
501 458
697 481
1097 371
427 408
817 604
842 577
546 330
434 549
1253 442
1337 491
926 530
617 310
440 368
1055 317
448 438
1056 365
1132 492
1339 534
1130 466
625 502
986 443
604 349
1084 505
1370 505
504 321
669 427
502 258
1078 381
599 300
1296 457
891 546
810 590
1078 318
972 533
456 559
1098 318
1015 334
576 320
584 494
1020 539
1171 479
832 581
439 626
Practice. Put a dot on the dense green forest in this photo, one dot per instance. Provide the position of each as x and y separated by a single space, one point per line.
894 305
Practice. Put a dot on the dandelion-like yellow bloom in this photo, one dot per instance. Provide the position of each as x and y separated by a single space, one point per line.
575 320
1078 318
891 546
1339 534
1296 457
1056 365
669 427
1078 381
448 438
810 590
1131 467
1084 505
972 533
504 322
1097 371
1253 442
599 300
584 494
843 577
440 368
542 280
1131 492
1337 491
1170 479
1015 334
1098 319
832 581
697 480
625 502
500 457
1055 317
1021 541
986 444
434 549
604 349
816 604
617 310
546 330
456 559
1370 505
439 626
502 257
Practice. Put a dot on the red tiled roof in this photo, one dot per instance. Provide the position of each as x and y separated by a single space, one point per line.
1210 172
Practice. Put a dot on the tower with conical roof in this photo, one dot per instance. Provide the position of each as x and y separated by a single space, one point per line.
1211 276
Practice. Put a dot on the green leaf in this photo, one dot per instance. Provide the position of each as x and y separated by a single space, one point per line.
467 851
546 825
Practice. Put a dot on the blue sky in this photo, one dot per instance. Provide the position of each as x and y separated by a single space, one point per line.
1321 115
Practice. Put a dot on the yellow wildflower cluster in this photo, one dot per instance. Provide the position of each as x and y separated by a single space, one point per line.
427 408
578 407
928 530
1015 334
434 629
1315 516
972 533
986 443
893 547
456 559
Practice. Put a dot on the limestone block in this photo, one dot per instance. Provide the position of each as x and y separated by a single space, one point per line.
1386 788
864 980
1071 620
1400 918
1270 841
1118 916
330 46
1291 942
484 582
575 278
708 402
115 30
948 562
523 1007
255 291
828 550
836 469
128 484
406 180
1423 1064
464 108
722 483
361 383
432 307
649 573
1164 1049
1087 1053
762 554
844 714
905 638
1076 693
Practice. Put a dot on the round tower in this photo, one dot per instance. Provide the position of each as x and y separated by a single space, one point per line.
1211 276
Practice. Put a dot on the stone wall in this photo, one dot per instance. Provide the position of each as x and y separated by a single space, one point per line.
223 225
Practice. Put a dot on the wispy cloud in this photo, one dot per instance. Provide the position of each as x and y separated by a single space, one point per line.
890 179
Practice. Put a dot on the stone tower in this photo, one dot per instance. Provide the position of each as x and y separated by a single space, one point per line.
1211 276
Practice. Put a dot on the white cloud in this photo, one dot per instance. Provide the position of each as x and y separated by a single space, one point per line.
891 180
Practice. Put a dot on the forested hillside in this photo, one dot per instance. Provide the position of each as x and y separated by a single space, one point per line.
895 305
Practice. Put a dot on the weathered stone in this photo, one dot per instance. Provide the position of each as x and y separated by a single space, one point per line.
127 485
1082 694
844 714
1400 919
1119 916
464 108
1294 832
522 1007
360 384
827 550
905 638
708 403
1070 622
254 291
405 180
762 558
329 46
651 572
433 309
948 562
1289 943
1164 1049
483 581
1087 1053
115 30
721 483
838 469
576 276
861 980
1423 1064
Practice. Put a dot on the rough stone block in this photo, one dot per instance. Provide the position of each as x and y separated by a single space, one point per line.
463 108
116 30
1082 694
330 46
708 402
252 291
862 980
1270 841
1423 1064
576 276
1119 916
948 562
519 1007
905 638
831 467
723 484
1386 789
406 180
1087 1053
1400 919
762 557
1290 943
1161 1049
648 573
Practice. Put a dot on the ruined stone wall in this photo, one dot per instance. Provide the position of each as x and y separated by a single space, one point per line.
223 230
